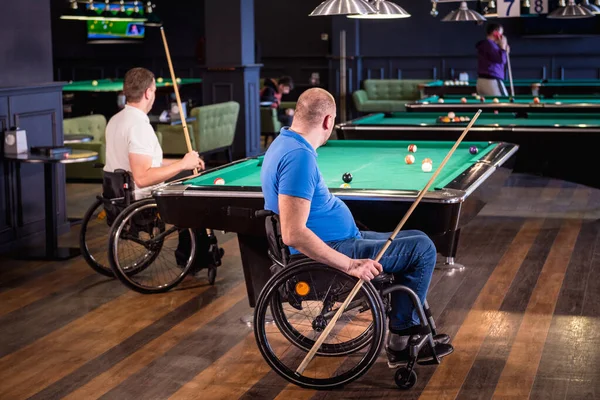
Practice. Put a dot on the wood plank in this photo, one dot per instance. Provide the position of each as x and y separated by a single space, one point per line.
142 357
191 355
487 367
60 353
521 367
450 375
71 274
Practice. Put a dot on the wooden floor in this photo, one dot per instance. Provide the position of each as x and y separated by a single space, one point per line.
524 318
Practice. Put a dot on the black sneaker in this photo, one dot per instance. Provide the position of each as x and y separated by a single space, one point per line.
397 358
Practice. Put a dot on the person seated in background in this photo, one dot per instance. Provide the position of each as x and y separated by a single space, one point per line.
273 92
132 145
492 55
321 226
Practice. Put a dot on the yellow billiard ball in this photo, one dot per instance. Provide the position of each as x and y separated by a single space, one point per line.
345 185
159 80
94 83
178 80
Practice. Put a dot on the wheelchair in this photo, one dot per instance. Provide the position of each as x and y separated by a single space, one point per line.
302 296
144 252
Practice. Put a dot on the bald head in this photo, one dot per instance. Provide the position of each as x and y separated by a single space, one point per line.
313 106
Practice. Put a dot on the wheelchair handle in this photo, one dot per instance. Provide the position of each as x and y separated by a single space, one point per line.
263 213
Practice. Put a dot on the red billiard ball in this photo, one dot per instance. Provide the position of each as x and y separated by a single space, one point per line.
463 100
536 100
482 99
412 148
219 181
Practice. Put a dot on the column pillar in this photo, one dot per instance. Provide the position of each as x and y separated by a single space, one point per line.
230 73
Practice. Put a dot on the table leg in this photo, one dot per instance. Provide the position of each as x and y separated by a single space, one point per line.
449 263
51 251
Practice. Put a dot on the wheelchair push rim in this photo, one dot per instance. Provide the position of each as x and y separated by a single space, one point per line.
325 372
154 247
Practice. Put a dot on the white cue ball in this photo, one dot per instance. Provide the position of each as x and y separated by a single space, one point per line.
440 100
426 167
451 115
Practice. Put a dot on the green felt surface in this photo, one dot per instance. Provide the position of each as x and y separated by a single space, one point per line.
529 82
373 165
430 119
116 85
520 99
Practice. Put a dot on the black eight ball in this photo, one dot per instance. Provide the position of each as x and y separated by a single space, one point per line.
347 177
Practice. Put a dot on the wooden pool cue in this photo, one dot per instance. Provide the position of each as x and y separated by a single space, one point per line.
359 284
186 133
510 77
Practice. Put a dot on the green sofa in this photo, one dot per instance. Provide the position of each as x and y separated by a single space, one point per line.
386 95
212 131
94 125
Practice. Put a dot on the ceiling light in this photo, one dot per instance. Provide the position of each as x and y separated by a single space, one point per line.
463 14
570 11
384 10
342 7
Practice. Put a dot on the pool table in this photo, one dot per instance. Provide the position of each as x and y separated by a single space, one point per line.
534 87
84 98
545 139
523 103
382 190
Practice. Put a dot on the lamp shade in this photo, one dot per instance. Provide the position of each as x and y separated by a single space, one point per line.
342 7
590 7
463 14
384 10
571 11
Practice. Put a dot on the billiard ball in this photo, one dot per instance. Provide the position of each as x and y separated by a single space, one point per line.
178 80
160 80
482 99
440 100
477 97
94 83
412 148
409 159
451 115
427 161
473 150
427 167
463 100
496 100
219 181
536 100
345 185
445 119
347 177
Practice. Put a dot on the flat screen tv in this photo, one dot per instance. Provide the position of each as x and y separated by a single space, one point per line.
115 31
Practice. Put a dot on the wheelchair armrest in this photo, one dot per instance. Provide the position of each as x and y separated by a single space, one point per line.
263 213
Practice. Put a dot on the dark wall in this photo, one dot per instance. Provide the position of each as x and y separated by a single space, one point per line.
76 59
424 47
289 41
25 44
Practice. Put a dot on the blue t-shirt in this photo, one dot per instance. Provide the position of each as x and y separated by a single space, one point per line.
290 168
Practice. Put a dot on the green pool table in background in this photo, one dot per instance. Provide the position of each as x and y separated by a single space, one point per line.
523 103
84 98
382 190
560 145
534 87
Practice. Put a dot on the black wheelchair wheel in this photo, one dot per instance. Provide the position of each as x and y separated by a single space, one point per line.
319 291
142 250
305 343
92 239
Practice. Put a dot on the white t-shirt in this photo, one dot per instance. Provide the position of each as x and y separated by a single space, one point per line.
129 131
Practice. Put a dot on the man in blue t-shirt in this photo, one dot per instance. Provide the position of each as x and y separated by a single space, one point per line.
320 226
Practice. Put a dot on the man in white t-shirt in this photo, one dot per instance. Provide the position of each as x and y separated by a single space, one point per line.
132 145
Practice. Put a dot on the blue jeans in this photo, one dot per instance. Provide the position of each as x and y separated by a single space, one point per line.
410 258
